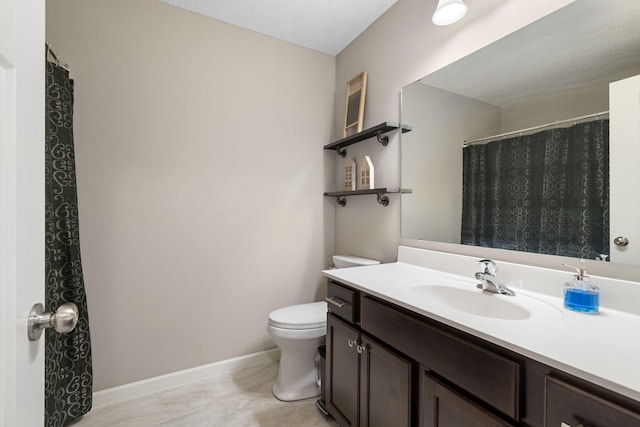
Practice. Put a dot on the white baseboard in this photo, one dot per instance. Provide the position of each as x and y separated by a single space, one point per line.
138 388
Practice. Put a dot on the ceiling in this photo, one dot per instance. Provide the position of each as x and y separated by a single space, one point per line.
327 26
599 44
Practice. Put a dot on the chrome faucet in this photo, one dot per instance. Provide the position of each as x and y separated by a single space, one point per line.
488 280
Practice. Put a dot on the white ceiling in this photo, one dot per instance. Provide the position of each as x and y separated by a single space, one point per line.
584 43
324 25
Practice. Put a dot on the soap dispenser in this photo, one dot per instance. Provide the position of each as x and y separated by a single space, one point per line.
579 294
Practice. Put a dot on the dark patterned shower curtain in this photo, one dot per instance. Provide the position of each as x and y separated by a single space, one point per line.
546 193
68 370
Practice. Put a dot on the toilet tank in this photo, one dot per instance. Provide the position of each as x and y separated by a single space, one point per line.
345 261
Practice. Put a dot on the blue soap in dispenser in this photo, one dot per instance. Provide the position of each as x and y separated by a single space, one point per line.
579 294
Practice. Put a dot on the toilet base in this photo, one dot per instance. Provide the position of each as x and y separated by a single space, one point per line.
291 397
298 370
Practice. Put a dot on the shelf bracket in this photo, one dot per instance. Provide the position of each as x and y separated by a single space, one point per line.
383 200
342 201
342 152
382 139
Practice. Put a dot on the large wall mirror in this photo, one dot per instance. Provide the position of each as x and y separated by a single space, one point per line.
506 119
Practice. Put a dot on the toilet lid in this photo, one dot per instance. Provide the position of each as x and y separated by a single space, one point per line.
301 316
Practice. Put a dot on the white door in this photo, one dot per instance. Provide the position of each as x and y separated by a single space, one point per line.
22 79
624 131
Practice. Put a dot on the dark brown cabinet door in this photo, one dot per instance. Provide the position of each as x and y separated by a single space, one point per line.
342 380
567 405
385 386
440 406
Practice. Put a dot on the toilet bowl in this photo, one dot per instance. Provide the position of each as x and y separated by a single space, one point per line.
298 331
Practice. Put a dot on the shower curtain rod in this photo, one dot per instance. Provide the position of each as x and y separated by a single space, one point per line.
521 131
56 58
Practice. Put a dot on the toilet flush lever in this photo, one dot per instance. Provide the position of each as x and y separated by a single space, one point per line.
336 301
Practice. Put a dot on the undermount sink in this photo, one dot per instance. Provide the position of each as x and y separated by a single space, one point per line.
473 301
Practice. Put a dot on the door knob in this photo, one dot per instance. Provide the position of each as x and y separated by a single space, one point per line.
63 320
621 241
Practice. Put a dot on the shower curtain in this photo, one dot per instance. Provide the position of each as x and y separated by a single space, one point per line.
68 369
546 193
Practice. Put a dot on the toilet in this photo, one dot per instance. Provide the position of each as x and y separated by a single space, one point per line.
298 331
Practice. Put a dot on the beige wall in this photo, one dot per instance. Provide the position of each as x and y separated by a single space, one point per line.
432 157
399 48
564 105
200 179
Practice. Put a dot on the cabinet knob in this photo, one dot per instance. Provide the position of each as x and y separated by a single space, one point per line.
361 348
351 343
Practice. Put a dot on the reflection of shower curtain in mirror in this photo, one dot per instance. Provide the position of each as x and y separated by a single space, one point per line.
68 370
547 192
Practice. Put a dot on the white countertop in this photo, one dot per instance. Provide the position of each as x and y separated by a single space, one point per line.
603 348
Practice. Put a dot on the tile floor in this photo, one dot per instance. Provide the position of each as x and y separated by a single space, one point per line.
240 399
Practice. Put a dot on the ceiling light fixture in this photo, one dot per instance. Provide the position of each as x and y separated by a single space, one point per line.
449 11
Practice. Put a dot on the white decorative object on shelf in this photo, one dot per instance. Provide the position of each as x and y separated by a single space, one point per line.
366 175
350 174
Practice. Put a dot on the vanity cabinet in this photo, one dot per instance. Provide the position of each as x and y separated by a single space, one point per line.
367 384
390 366
489 378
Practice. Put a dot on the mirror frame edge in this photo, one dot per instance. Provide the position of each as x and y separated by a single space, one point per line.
554 262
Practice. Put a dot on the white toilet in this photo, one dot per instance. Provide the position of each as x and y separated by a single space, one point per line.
299 330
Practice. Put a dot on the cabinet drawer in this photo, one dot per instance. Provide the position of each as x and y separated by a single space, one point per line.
441 406
342 302
489 376
568 405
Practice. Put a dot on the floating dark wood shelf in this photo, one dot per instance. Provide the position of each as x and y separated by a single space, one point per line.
376 131
380 192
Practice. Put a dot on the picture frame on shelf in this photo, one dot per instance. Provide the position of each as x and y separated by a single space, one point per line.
354 109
